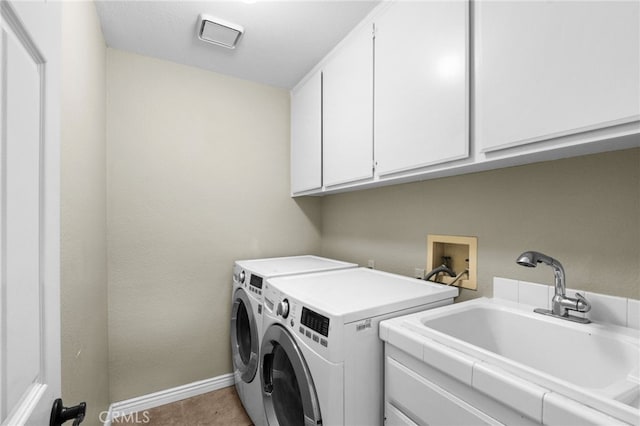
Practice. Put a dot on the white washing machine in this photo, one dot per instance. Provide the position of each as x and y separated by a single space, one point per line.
246 318
322 359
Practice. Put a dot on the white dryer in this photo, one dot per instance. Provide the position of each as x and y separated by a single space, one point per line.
246 318
322 359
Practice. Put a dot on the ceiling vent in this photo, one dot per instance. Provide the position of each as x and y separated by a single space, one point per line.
217 31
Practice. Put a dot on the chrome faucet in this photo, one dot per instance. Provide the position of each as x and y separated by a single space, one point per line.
560 303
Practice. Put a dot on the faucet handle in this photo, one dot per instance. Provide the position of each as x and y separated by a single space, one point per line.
582 304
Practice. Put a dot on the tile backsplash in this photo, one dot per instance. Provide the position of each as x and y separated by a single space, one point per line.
604 308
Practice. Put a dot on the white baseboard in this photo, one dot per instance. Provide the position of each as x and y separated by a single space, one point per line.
167 396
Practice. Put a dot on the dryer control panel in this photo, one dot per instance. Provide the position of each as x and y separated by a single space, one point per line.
248 280
255 284
238 275
256 281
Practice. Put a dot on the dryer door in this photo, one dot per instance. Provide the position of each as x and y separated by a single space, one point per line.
288 392
244 336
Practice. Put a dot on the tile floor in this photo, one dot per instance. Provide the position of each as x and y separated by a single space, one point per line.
218 408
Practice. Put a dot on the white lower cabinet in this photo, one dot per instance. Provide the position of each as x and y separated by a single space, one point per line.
423 402
418 393
561 411
395 417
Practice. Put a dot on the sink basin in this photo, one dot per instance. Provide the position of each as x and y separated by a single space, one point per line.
546 369
595 364
576 354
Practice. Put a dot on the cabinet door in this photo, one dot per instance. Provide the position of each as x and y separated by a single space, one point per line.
553 68
429 403
421 85
395 417
348 110
306 136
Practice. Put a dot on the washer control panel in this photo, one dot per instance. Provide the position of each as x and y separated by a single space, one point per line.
315 321
312 326
283 309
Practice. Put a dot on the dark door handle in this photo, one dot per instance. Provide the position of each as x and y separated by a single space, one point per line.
267 373
60 414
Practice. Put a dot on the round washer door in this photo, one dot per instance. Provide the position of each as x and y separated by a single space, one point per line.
244 336
288 392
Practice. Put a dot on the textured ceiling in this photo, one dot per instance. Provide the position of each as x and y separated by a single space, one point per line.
282 41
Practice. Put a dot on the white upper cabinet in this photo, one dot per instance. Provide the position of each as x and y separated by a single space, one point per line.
444 87
421 84
348 110
546 69
306 135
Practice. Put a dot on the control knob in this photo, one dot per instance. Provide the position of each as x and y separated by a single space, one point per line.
283 308
241 277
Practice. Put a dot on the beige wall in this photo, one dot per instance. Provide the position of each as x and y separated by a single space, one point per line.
584 211
83 212
198 176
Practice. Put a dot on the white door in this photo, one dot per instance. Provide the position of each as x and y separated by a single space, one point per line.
421 85
347 111
306 136
29 211
546 69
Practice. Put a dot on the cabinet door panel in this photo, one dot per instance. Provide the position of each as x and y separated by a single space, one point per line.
306 136
395 417
427 402
548 69
421 85
348 111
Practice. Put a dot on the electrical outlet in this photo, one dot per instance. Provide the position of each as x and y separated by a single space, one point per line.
418 273
371 264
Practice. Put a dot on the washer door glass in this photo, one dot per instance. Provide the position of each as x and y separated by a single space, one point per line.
289 395
243 333
286 393
244 337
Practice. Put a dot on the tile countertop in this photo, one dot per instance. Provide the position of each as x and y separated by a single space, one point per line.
604 308
519 384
